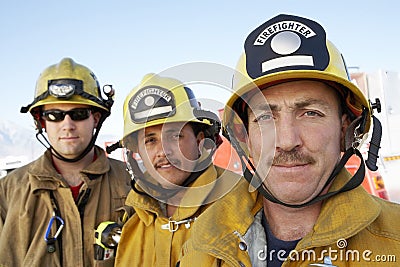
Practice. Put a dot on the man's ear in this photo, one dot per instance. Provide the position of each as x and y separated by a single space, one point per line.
200 137
96 117
345 122
202 142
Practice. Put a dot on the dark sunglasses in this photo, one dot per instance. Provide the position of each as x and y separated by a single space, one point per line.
76 114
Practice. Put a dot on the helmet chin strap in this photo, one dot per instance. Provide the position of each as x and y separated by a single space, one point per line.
107 103
164 194
254 179
355 181
56 154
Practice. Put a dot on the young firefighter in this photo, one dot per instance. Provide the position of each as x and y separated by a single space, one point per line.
299 112
175 181
50 208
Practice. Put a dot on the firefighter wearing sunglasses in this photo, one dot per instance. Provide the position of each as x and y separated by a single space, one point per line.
50 208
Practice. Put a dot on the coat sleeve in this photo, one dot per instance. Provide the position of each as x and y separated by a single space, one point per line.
3 203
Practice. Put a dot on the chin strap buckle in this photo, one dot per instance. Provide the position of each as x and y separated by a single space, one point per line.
173 226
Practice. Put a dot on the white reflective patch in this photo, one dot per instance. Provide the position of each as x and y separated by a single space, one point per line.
285 43
149 101
287 61
152 112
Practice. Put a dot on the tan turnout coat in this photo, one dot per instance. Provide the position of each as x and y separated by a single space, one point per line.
26 208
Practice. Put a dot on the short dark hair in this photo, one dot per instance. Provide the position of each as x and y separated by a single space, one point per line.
199 127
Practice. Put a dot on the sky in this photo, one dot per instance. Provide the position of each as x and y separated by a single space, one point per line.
121 41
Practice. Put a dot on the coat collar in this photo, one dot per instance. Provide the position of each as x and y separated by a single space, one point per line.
343 215
43 175
193 198
227 218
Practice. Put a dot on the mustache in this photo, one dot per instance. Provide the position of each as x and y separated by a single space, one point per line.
172 161
292 157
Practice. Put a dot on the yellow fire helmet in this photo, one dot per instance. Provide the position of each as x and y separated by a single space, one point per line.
286 48
158 100
68 82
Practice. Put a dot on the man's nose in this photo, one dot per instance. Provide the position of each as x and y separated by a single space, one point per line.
67 122
164 149
288 134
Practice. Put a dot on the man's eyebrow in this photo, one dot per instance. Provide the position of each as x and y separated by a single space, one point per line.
262 106
311 101
169 131
151 134
298 105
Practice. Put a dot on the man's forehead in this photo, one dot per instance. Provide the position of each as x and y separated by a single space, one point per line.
294 93
165 127
64 106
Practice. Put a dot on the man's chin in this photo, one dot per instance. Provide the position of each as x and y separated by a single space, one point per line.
167 180
292 196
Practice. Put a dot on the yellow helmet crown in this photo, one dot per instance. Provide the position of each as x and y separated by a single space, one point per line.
68 82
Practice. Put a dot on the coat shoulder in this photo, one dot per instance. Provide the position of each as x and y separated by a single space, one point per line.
385 224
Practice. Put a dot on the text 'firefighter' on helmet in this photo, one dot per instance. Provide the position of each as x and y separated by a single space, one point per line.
158 100
71 83
290 48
